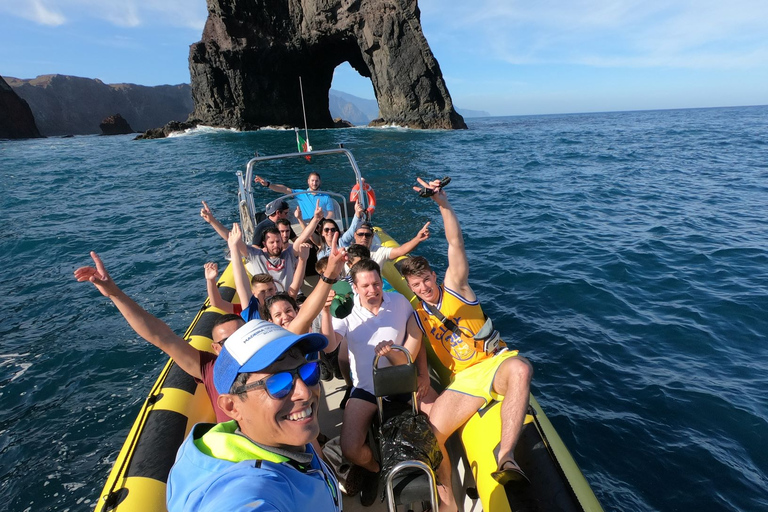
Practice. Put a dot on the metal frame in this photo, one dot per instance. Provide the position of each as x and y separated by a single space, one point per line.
247 207
407 464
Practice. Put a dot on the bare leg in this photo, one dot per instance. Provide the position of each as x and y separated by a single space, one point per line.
449 412
512 381
357 418
344 362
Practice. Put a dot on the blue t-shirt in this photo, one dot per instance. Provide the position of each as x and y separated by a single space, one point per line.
307 203
251 312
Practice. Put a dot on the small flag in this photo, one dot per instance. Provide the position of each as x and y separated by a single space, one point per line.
303 145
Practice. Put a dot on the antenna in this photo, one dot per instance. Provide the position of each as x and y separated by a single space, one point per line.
303 111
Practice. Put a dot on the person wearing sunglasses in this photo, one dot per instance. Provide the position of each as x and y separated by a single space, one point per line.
364 235
263 457
197 363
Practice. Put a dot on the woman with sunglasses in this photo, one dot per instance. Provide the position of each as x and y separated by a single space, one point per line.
282 309
327 228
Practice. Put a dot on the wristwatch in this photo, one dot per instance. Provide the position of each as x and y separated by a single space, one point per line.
329 280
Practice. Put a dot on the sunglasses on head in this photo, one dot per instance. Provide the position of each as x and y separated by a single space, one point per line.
281 384
364 234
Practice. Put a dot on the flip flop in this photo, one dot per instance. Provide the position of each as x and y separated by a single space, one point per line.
428 192
511 474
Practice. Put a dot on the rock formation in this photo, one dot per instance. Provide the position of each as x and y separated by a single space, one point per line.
164 131
245 71
65 105
16 120
115 125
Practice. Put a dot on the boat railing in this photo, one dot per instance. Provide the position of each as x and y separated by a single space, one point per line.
247 206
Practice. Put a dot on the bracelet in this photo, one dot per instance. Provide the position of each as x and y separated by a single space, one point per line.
329 280
268 184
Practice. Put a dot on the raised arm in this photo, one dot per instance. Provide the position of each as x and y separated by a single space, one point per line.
207 215
242 283
349 235
214 296
457 273
275 187
299 271
314 303
306 233
147 326
326 323
411 244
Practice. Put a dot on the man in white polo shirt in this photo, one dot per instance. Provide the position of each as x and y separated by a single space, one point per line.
377 319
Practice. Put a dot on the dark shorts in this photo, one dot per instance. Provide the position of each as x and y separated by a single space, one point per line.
362 394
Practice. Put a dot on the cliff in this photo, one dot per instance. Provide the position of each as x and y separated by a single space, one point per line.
65 105
245 71
16 120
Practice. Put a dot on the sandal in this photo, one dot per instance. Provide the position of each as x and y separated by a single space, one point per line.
428 192
510 474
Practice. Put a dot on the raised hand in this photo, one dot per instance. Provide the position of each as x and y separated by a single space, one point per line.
319 212
206 213
261 181
336 258
359 209
211 270
98 276
433 188
304 250
329 300
297 212
423 233
235 236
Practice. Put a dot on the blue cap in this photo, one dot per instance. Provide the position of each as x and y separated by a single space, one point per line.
275 206
255 346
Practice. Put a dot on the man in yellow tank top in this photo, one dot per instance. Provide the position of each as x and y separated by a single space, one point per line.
450 316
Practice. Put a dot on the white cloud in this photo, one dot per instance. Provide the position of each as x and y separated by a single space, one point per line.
685 33
124 13
36 11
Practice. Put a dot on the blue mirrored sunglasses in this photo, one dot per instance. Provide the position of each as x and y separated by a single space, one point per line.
280 384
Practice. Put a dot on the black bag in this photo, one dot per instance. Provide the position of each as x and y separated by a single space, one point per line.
407 437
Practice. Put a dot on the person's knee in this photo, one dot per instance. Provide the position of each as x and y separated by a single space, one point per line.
524 367
518 368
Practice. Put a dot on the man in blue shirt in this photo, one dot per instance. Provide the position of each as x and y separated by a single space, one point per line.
263 459
306 201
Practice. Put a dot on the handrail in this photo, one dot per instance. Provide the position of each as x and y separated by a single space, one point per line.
342 151
340 200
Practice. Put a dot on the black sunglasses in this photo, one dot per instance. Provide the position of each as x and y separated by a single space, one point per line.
280 384
366 234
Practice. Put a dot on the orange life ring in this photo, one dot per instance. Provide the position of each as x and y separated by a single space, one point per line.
353 194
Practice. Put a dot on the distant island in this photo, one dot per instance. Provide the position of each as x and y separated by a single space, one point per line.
71 105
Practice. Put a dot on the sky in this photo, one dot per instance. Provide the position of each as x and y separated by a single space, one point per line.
505 57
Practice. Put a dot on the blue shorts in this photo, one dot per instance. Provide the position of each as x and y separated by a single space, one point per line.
362 394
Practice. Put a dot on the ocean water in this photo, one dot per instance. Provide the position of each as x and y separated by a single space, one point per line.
626 254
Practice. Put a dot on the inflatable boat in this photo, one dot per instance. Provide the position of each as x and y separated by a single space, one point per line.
137 481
